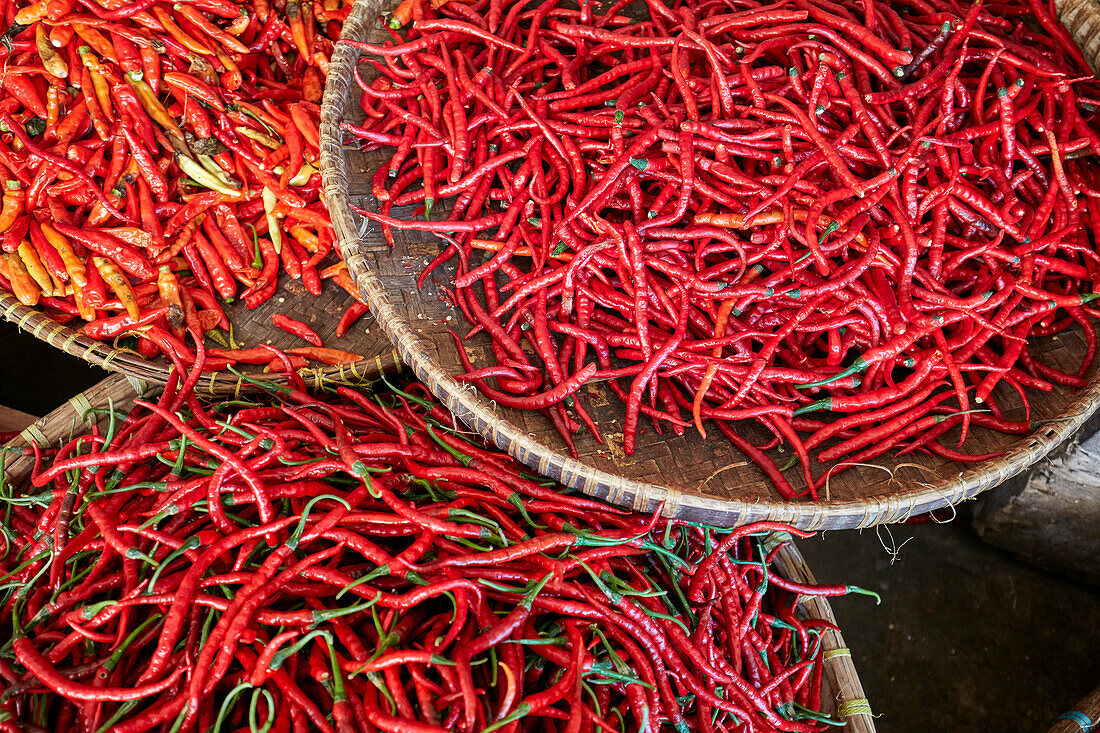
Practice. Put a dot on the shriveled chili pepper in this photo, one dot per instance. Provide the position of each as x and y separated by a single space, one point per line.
297 328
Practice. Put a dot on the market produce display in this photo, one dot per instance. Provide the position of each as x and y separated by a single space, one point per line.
159 160
847 223
346 562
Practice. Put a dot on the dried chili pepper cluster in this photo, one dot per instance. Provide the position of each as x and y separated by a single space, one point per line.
739 213
159 160
353 563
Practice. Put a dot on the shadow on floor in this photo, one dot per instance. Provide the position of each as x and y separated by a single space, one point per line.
35 377
967 638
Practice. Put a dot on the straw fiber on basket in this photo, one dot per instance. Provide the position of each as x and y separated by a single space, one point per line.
707 481
250 328
1085 716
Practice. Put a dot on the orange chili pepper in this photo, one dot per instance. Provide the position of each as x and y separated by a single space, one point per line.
333 270
190 85
343 279
53 107
87 311
306 125
101 88
168 286
133 236
403 14
165 18
313 86
157 111
99 42
50 258
23 286
297 27
33 263
60 35
239 24
306 238
31 14
192 14
73 265
12 204
119 284
307 25
708 377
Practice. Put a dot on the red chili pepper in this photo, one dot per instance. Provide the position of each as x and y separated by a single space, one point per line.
354 312
220 276
111 247
106 328
296 328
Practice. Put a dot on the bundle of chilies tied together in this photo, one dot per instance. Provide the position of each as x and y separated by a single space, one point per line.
736 213
354 563
159 160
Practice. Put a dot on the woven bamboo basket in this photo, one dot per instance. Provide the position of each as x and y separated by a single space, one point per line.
1084 718
707 481
89 408
251 327
841 695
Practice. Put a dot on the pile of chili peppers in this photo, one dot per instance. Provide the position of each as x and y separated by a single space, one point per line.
159 159
345 562
841 221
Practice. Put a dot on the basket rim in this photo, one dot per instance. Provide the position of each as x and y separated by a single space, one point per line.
117 390
475 411
58 335
839 667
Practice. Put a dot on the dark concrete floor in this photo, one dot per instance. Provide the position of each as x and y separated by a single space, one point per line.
966 639
35 377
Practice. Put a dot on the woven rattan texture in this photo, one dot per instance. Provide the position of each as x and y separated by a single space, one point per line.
698 480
